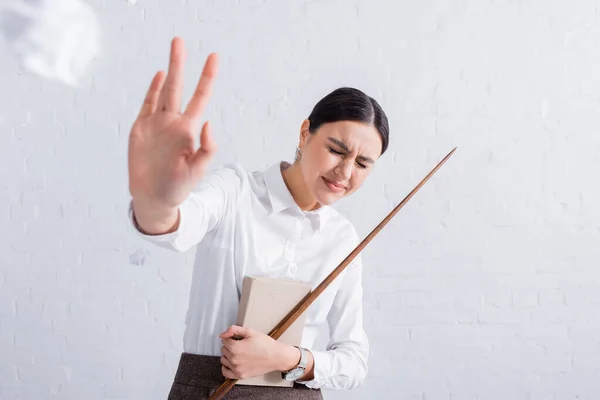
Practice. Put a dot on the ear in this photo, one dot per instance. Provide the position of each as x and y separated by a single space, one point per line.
304 132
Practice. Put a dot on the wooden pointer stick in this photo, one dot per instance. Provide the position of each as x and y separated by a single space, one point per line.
291 317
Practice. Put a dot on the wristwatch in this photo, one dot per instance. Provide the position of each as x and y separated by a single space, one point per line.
300 369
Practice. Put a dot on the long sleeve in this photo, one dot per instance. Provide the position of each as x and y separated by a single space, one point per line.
344 364
215 196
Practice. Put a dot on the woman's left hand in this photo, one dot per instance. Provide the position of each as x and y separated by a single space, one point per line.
254 354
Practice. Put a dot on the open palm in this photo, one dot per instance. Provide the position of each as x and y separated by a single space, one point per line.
164 165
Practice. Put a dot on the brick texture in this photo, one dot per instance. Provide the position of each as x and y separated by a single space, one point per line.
484 287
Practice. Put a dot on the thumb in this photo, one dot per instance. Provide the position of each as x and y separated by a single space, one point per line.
208 146
236 332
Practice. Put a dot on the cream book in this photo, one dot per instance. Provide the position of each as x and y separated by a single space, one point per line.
264 302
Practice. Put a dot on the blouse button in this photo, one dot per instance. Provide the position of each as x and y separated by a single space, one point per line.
292 269
290 250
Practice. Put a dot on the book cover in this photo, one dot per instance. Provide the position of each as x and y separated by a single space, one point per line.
264 302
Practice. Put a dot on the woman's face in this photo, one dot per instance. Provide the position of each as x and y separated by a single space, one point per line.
337 158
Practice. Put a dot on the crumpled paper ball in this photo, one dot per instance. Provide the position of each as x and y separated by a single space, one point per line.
55 39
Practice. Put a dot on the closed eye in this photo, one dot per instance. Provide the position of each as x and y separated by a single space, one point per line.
339 153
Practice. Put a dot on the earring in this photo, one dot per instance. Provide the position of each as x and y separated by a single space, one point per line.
298 154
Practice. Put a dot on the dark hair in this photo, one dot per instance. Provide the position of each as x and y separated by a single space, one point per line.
350 104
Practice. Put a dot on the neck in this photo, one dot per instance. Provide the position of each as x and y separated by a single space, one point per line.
292 176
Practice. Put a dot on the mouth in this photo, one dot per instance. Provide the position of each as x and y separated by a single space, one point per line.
334 187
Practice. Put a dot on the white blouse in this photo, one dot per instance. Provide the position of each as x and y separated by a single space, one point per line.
247 223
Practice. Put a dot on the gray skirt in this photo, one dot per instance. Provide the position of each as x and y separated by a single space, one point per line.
197 377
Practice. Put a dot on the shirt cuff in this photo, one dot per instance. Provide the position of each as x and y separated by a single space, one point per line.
321 370
168 240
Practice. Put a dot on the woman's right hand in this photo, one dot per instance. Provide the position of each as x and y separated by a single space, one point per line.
164 165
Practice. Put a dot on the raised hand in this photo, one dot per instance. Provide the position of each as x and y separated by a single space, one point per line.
164 165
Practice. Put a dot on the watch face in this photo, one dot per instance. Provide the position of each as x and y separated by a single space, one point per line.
294 374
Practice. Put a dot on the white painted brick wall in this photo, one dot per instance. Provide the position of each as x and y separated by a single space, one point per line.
484 287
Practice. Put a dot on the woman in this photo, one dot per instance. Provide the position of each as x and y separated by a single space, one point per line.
275 223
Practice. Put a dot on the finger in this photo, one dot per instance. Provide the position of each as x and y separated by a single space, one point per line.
205 153
227 334
227 373
151 99
170 96
231 346
239 332
203 88
226 353
226 363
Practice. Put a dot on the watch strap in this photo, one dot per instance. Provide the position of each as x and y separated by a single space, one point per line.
303 358
301 364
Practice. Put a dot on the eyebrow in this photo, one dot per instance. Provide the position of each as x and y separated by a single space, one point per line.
346 149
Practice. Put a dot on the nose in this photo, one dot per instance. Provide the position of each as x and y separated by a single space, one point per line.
344 169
